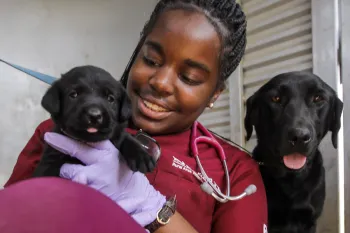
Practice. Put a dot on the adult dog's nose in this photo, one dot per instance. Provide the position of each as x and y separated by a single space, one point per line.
299 136
94 115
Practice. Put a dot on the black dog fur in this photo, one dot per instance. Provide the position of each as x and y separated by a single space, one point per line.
89 97
291 114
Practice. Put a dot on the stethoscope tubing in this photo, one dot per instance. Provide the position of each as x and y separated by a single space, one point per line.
208 185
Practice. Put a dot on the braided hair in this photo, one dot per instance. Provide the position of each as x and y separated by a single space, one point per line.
225 15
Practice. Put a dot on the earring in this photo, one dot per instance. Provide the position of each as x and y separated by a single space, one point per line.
211 105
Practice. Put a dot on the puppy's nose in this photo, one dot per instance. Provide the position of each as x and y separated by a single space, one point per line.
299 136
94 115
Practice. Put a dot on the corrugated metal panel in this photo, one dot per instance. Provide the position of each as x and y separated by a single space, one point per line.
217 119
279 40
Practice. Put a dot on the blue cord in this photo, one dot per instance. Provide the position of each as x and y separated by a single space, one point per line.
42 77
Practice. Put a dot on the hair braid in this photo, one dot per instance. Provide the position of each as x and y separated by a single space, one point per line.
225 15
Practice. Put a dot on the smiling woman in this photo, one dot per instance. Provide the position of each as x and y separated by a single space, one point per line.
187 51
175 74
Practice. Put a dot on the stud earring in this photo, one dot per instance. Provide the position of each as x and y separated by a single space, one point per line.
211 105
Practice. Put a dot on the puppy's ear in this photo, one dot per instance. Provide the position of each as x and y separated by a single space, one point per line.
125 107
251 115
51 100
335 113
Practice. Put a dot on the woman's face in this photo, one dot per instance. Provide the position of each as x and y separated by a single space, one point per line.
175 74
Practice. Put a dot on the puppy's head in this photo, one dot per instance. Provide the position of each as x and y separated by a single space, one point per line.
291 114
87 103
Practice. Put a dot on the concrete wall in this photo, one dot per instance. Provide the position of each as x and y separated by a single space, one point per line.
52 37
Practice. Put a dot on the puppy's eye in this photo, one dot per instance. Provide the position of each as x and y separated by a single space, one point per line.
317 98
110 98
73 94
276 99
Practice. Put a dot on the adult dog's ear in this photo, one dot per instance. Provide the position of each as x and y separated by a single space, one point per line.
125 106
51 100
251 115
334 125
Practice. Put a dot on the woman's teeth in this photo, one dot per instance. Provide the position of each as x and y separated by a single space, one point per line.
154 107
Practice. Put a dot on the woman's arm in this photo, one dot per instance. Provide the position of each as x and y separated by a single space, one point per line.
177 224
30 155
248 215
105 172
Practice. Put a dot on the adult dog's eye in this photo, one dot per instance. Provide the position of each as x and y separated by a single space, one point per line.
276 99
110 98
317 98
73 94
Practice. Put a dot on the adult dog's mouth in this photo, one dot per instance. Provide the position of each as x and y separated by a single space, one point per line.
294 161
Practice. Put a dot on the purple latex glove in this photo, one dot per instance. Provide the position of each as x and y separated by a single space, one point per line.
105 172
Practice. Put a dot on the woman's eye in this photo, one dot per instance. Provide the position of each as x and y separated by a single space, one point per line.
150 62
73 94
189 81
110 98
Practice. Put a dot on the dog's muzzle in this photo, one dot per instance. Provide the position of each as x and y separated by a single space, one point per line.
299 137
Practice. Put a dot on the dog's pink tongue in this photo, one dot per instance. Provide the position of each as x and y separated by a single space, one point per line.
294 161
92 130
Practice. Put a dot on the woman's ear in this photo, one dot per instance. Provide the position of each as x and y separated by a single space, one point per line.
216 95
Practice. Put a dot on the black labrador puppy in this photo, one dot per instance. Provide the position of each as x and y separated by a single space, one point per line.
291 114
89 105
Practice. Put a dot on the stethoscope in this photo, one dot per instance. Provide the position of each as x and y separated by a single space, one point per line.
208 185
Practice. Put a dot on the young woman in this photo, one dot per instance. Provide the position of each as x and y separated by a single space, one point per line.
187 51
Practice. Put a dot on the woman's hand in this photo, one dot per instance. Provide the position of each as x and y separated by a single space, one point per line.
107 173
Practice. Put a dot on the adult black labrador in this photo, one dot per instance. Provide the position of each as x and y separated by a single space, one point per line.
291 114
89 105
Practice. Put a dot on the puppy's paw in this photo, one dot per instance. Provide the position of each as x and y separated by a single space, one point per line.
141 163
136 156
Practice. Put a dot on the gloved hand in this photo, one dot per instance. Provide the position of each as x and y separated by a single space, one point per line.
107 173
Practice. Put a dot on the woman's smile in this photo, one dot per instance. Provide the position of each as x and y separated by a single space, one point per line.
151 109
154 107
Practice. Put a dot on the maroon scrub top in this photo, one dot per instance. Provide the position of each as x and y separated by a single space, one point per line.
172 176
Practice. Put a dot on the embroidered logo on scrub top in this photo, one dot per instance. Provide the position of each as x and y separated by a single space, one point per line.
183 166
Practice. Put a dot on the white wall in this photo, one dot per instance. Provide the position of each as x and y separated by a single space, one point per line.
52 37
345 72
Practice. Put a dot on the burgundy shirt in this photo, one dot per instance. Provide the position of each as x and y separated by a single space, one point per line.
171 176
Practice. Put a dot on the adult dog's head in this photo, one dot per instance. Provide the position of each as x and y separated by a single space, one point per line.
291 115
87 103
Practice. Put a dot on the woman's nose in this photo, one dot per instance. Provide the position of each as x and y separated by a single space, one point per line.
162 81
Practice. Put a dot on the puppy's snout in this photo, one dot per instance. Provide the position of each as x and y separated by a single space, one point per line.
301 136
94 115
